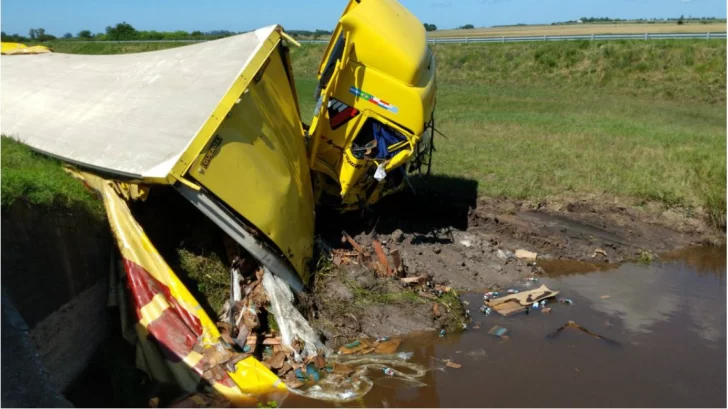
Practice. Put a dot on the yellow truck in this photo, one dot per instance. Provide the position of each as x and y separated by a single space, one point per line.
220 122
375 102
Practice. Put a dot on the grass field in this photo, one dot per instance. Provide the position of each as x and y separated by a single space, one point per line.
634 120
40 180
102 47
576 29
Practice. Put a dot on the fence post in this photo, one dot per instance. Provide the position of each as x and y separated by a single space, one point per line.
544 38
592 37
467 40
707 35
646 36
503 39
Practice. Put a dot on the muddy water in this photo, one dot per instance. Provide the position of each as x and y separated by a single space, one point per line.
669 318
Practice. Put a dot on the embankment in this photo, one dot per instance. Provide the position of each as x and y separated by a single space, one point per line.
56 254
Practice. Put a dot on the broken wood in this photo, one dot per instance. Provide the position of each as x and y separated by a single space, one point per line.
387 271
525 254
427 295
451 364
420 280
442 288
353 243
397 260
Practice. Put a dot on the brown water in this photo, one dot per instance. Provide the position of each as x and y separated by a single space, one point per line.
669 318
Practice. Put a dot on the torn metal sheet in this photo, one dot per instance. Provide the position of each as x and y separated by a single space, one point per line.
168 312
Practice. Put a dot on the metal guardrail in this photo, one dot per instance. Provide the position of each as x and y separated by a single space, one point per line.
590 37
502 39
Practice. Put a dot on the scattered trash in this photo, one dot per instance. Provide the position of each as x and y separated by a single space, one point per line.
476 354
466 243
546 310
512 291
388 371
486 310
380 173
543 302
518 303
533 279
504 339
312 373
505 254
442 288
451 364
566 301
598 252
442 333
497 331
465 302
535 305
572 324
341 369
525 254
382 339
388 347
605 297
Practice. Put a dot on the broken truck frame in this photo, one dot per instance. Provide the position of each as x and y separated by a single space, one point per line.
231 140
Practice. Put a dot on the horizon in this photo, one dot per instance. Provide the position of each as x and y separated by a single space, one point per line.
18 16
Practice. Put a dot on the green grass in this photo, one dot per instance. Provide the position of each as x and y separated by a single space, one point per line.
71 47
210 275
642 121
639 120
39 180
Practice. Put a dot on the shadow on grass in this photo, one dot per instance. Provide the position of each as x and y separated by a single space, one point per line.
440 202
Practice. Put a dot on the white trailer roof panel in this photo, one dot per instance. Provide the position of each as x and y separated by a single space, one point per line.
128 114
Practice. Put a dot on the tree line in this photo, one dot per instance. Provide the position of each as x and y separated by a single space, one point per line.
679 20
126 32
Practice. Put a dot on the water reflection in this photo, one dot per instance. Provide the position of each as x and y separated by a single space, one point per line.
644 295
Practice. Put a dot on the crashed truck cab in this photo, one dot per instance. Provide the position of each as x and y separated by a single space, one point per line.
375 102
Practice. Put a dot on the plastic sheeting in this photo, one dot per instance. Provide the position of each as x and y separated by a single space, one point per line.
341 389
290 321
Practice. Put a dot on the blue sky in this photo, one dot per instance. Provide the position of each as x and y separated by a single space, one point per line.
61 16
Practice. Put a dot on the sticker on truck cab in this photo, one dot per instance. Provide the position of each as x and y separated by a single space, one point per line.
374 100
340 113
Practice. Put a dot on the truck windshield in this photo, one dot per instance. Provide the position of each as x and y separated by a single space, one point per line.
336 54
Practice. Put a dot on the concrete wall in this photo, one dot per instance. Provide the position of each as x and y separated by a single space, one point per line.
55 269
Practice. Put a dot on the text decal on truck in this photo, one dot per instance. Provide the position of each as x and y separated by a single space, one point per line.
374 100
212 151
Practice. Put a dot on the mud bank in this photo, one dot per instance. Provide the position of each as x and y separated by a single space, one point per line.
470 245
